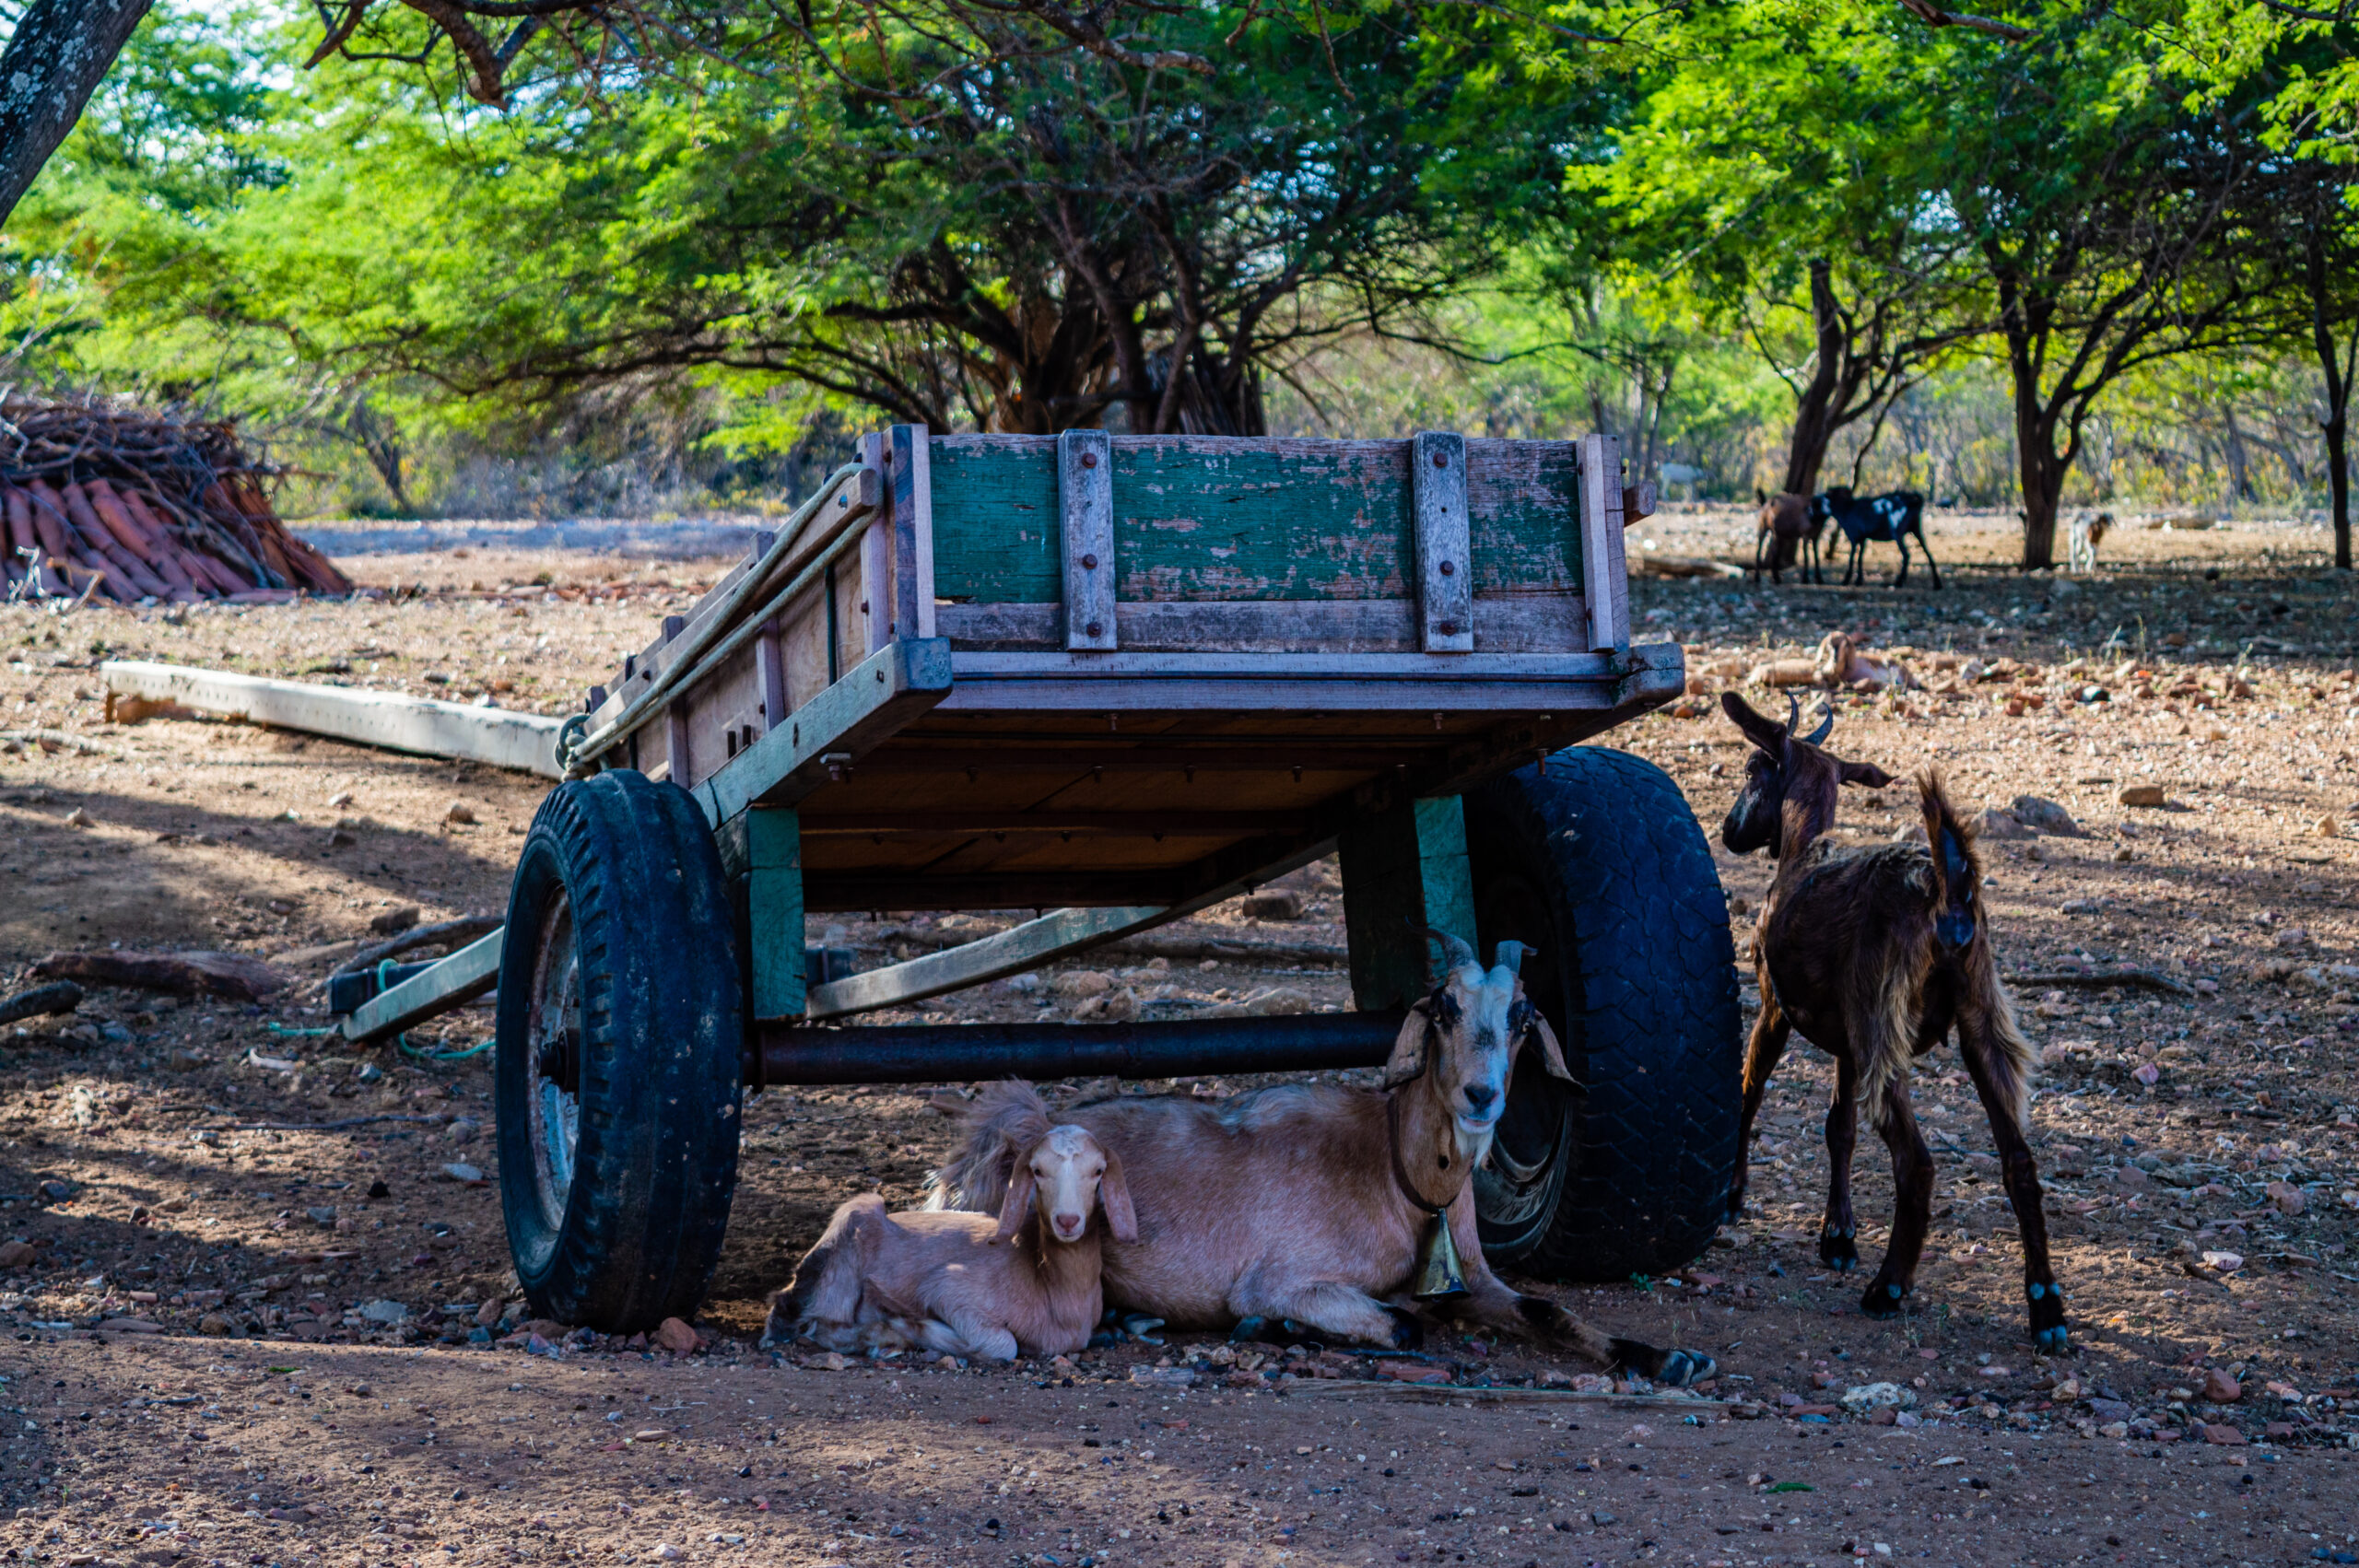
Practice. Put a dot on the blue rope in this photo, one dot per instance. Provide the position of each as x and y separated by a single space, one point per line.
285 1032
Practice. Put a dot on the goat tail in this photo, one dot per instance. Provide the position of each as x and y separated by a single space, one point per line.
1957 869
1007 1119
1987 1028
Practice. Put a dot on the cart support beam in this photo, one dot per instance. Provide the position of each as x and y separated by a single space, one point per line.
1012 951
454 981
774 911
1404 869
944 1053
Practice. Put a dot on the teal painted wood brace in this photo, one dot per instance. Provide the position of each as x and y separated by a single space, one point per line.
1404 868
774 906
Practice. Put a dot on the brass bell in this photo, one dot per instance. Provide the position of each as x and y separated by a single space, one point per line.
1438 1274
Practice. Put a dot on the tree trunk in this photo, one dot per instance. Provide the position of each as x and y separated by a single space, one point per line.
1813 415
55 59
2036 462
2335 426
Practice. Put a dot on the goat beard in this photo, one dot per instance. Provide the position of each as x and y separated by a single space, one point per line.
1473 1149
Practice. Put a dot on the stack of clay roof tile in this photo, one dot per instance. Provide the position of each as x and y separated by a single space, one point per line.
104 502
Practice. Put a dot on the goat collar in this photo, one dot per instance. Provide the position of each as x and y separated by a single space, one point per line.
1400 1170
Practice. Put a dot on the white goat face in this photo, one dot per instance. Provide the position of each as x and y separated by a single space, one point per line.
1070 1173
1464 1037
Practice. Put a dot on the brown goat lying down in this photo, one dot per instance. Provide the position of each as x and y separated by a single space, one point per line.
1874 953
968 1284
1293 1201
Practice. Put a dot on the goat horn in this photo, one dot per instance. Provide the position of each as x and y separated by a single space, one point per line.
1508 956
1793 712
1825 728
1453 948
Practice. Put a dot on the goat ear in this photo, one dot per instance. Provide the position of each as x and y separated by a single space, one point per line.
1551 1057
1866 773
1114 1192
1019 1202
1408 1059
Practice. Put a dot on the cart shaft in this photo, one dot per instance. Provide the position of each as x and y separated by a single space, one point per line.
948 1053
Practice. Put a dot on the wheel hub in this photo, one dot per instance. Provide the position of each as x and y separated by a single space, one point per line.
553 1086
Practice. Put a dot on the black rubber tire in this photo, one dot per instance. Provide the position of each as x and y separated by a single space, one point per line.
629 867
1598 864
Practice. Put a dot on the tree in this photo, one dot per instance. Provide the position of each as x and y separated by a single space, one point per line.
57 55
1775 174
2102 207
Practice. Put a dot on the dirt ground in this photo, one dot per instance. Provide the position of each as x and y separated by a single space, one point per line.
235 1333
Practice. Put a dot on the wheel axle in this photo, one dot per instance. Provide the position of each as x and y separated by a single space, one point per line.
933 1053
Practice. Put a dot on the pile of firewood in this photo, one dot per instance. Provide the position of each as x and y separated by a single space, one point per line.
125 506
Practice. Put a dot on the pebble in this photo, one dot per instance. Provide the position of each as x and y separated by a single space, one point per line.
1274 903
460 815
383 1311
1162 1376
2043 815
78 818
677 1337
1877 1397
398 918
666 1552
462 1128
460 1171
826 1361
324 1216
1084 983
2000 827
2221 1388
2222 1434
2143 795
2289 1199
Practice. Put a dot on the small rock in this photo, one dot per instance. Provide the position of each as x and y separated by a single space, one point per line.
462 1128
666 1552
459 1171
460 815
78 818
1600 1517
675 1336
2221 1389
2328 826
2148 1074
56 1190
2112 1409
396 919
2223 1262
2043 816
213 1325
1108 1007
369 1073
1084 983
323 1216
383 1311
2143 795
2221 1434
2289 1199
826 1361
1162 1376
2002 828
1411 1371
340 800
1877 1395
1274 903
18 1254
488 1315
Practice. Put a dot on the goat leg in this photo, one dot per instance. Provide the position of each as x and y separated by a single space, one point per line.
1345 1311
1912 1185
1762 1051
1839 1245
1931 565
1993 1060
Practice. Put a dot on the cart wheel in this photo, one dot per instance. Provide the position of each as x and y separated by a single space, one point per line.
1599 864
621 1021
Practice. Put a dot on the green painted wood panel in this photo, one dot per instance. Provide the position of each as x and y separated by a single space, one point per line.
1203 518
1405 868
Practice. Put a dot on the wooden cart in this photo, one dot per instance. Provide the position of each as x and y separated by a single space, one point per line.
1113 680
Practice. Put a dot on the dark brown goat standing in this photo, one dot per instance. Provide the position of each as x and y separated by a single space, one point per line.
1785 533
1873 953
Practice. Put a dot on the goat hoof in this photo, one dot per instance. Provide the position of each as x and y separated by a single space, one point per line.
1247 1330
2047 1327
1140 1327
1681 1368
1104 1338
1408 1334
1884 1299
2053 1341
1838 1250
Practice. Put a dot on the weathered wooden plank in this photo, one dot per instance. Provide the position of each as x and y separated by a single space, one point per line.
1012 951
418 725
1086 516
832 730
1552 622
1405 869
774 912
1605 583
1204 518
1171 682
456 981
910 453
1444 580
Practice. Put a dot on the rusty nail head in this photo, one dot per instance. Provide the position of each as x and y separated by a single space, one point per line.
1089 459
1446 568
1442 459
1096 628
1449 629
1090 563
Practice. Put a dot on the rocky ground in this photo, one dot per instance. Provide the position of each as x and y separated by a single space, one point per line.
258 1289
